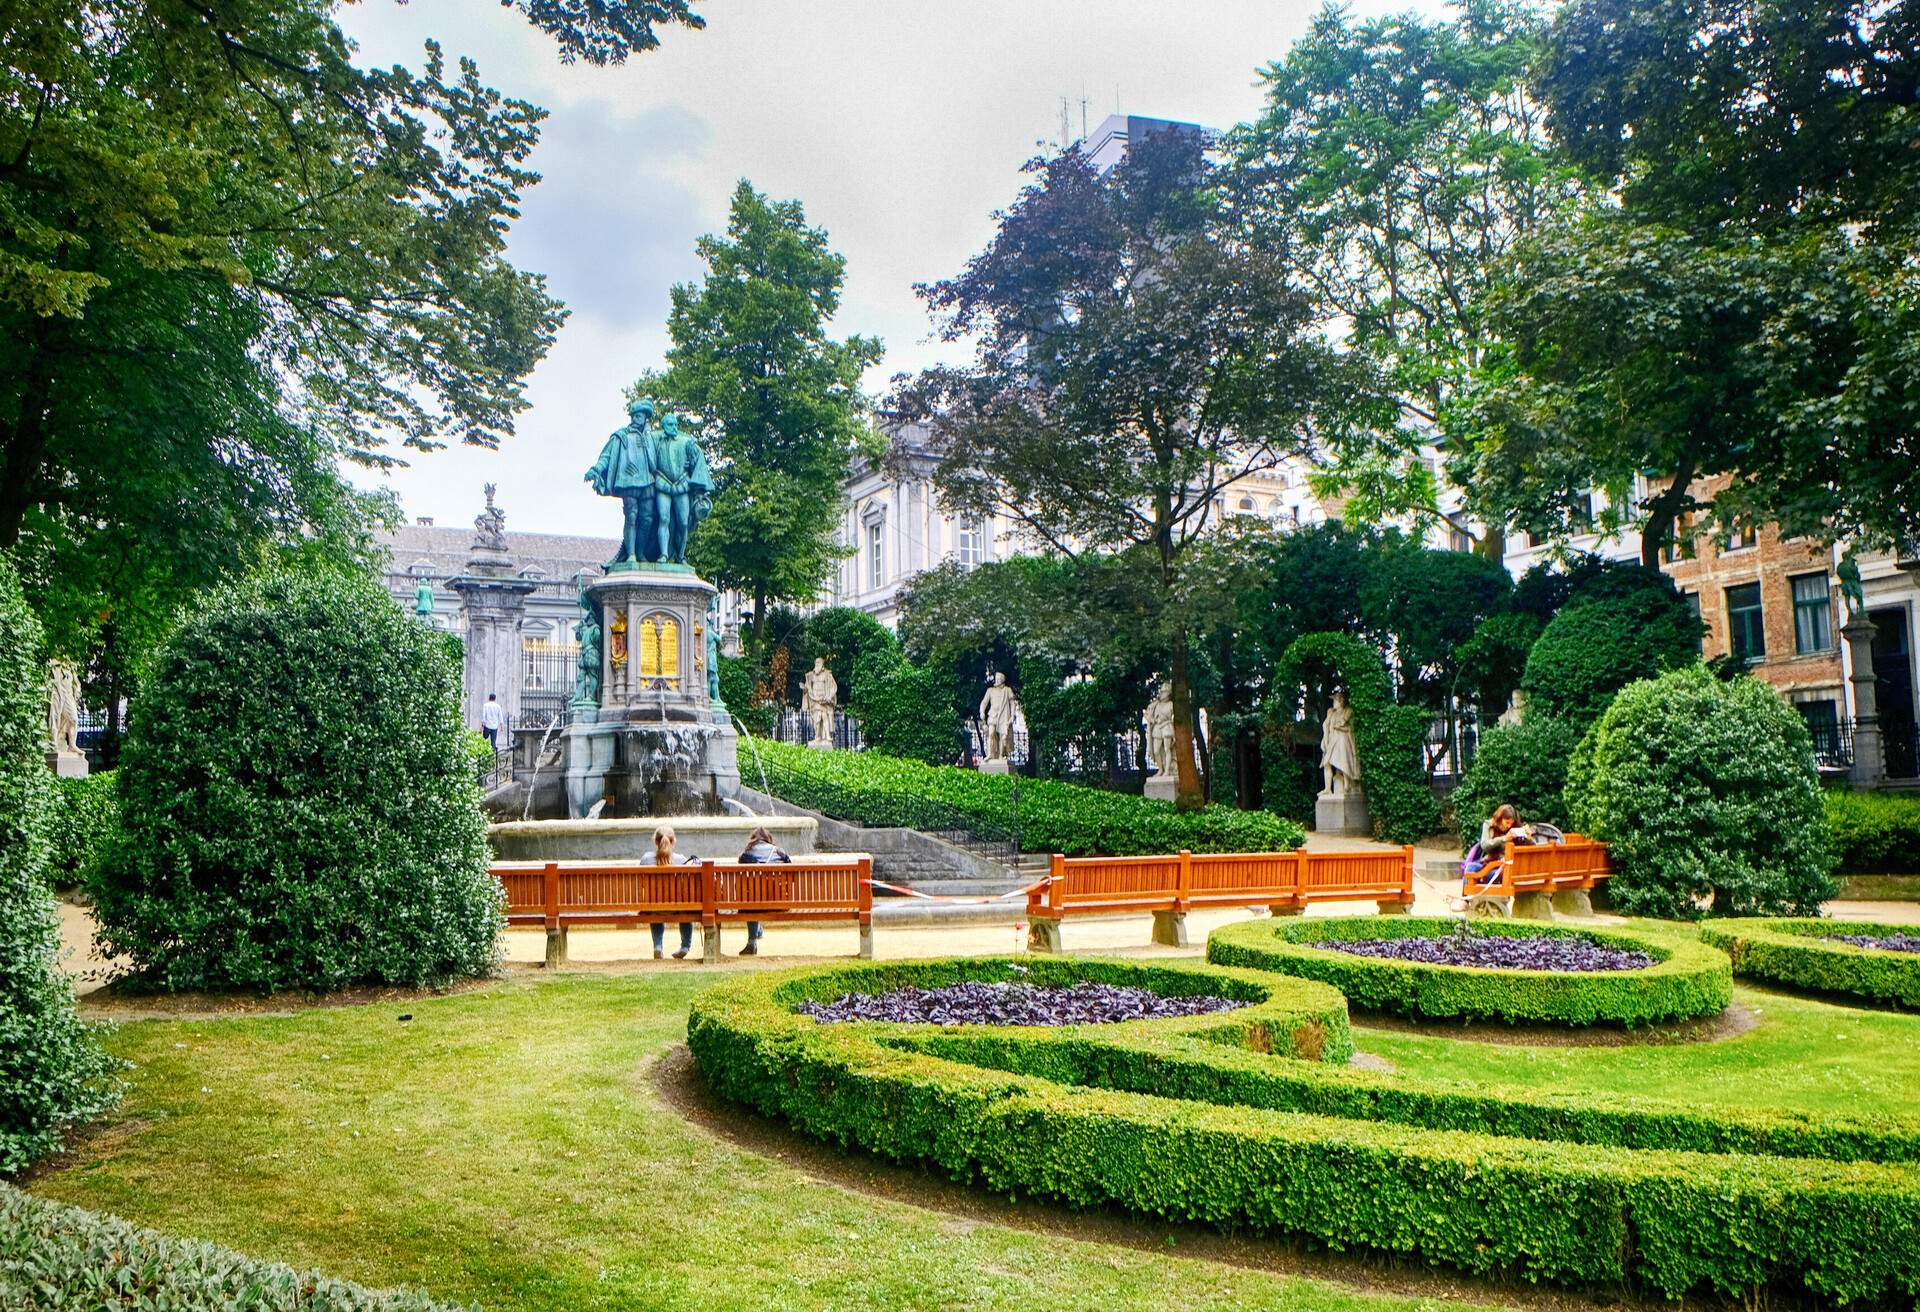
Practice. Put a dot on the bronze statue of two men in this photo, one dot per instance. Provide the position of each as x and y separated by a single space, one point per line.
662 480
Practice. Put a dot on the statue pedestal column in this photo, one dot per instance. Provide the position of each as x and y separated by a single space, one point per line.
998 765
1162 787
493 600
67 765
1869 755
1342 813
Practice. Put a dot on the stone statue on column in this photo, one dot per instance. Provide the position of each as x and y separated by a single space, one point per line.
1341 807
586 682
819 697
997 711
64 756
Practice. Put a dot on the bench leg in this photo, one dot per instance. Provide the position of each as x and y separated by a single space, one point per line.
866 942
1170 928
1288 910
1394 907
556 947
1532 906
1572 902
710 944
1043 935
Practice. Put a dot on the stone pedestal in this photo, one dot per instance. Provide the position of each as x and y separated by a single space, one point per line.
820 744
1572 902
1170 928
493 599
1043 935
1532 906
1869 755
999 765
1394 907
67 765
1163 787
1286 911
1342 813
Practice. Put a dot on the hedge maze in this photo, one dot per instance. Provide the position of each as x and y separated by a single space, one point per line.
1807 955
1252 1119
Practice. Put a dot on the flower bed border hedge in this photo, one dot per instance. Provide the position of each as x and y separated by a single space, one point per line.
1044 815
1791 951
57 1258
1542 1208
1687 980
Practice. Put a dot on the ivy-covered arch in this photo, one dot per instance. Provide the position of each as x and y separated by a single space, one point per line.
1388 735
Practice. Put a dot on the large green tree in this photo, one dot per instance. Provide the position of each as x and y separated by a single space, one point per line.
1135 357
777 399
1399 159
1745 304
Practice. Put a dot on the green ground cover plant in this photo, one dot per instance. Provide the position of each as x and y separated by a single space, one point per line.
1805 954
1546 1209
1686 980
509 1146
1874 833
1045 815
298 802
55 1258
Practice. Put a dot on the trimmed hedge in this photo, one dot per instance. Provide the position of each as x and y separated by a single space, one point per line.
1544 1208
1874 833
55 1258
85 817
1686 980
873 789
1798 952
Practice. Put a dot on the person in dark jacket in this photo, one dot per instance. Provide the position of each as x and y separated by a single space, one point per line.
760 849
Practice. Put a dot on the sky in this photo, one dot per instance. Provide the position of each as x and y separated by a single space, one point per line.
900 126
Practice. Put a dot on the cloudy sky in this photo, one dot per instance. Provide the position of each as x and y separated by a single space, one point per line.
900 126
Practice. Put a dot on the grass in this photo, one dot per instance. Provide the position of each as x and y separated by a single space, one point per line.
506 1146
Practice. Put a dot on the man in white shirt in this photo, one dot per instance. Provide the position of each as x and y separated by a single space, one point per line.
491 719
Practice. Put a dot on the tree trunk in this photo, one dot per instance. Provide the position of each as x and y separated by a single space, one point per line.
759 616
1663 512
1187 794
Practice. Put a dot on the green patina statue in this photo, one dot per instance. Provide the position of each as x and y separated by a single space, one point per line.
586 682
1850 586
423 599
662 480
713 653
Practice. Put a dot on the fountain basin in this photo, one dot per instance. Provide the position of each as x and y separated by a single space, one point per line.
720 837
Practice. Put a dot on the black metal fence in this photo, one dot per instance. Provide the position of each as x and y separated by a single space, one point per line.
795 727
547 672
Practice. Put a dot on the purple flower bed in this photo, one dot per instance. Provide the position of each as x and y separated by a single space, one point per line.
1497 951
1889 943
1013 1004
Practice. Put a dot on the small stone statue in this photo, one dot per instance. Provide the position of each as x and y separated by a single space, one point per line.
1516 712
63 709
1339 762
1848 571
586 683
713 654
820 692
997 710
1160 730
423 599
625 470
489 527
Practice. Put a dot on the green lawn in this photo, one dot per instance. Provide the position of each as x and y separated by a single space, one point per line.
506 1146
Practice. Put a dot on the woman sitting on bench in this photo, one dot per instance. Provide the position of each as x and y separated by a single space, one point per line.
1501 828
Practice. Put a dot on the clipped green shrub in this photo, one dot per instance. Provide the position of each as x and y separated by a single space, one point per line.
83 819
1390 737
1874 833
1524 765
52 1070
298 804
904 710
872 789
1704 790
1805 954
55 1258
1593 649
843 637
1056 1114
1686 980
740 678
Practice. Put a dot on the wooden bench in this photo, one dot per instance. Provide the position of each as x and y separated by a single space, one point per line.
560 894
1170 886
1534 880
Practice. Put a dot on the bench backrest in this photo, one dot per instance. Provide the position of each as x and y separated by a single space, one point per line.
1338 876
1181 880
555 890
1575 863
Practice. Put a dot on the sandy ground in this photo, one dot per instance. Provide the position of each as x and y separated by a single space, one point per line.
1129 933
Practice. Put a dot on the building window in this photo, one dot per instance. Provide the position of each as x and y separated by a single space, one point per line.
876 564
968 547
1746 634
1458 539
1247 506
1681 547
1739 537
1823 722
1580 513
1812 614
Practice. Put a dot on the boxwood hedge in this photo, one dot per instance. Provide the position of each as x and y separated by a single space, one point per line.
1045 816
55 1258
1687 979
1055 1113
1803 953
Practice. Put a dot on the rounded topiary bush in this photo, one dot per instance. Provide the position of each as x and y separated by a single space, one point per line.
1592 650
298 809
1706 792
1524 765
52 1072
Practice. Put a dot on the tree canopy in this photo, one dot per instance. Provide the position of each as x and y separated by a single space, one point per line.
777 399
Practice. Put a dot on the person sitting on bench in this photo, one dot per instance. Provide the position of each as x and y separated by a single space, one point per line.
1502 827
